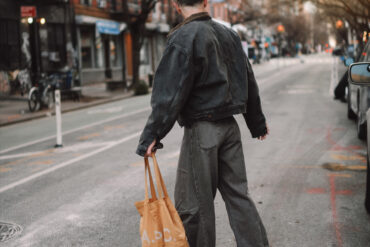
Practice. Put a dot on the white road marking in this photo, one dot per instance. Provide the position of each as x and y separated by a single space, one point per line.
67 163
297 91
74 148
106 110
75 130
14 156
334 76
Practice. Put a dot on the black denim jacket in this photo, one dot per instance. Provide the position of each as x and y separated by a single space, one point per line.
203 75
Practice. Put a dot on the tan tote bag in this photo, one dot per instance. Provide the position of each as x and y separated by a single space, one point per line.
160 224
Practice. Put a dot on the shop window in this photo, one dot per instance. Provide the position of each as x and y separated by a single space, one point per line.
87 47
99 51
86 2
9 45
144 53
115 50
56 45
102 3
113 5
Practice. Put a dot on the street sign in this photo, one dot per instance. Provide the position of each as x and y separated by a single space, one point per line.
108 27
28 11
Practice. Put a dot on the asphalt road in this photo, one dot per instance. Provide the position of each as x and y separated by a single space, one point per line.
307 178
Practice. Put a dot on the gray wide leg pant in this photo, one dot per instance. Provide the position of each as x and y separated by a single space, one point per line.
212 158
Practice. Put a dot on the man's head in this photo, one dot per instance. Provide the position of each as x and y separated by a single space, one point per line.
186 7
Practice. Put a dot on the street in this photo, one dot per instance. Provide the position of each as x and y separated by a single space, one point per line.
307 178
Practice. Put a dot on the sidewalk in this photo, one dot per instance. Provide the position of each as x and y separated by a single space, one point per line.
14 109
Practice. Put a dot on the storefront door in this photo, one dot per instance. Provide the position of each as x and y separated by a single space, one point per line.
108 69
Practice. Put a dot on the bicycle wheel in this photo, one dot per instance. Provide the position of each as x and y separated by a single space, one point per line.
49 99
33 102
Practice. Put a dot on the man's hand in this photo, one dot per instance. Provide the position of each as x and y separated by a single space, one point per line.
149 150
261 138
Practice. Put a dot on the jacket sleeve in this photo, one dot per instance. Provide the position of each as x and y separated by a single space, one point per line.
254 117
173 81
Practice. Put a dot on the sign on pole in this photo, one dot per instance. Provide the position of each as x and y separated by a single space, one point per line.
28 11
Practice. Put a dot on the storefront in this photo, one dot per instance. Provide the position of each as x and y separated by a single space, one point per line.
101 49
153 46
35 38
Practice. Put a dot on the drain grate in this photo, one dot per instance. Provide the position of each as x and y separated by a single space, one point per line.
8 231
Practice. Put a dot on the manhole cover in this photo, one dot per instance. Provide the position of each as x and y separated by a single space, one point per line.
8 231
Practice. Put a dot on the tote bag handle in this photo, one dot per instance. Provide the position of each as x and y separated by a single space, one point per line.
161 187
152 189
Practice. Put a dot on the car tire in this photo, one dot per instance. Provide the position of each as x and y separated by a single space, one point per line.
361 130
350 113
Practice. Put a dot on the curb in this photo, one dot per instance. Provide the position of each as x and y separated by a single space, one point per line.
87 105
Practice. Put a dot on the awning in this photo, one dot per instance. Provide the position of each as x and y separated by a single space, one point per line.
163 28
239 28
160 27
108 27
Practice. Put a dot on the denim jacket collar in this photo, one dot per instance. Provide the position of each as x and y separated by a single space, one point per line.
197 16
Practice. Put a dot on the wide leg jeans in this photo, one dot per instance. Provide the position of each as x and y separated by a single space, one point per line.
212 158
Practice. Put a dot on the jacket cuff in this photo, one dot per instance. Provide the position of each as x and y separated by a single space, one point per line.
256 125
260 131
141 150
146 138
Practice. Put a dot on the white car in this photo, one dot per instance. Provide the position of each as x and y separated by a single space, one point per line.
359 76
359 99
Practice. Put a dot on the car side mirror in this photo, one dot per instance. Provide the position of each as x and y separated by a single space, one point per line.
348 61
359 74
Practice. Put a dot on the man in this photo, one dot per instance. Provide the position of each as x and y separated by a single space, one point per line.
203 79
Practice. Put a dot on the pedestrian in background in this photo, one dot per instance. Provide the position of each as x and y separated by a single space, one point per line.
203 79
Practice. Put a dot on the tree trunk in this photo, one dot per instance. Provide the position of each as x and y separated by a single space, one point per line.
136 46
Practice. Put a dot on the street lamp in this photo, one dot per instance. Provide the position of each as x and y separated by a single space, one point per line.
42 21
281 28
339 24
30 20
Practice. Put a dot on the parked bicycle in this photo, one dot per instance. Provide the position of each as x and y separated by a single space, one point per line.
42 94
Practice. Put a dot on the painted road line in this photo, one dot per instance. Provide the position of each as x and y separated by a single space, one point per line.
72 148
75 130
68 163
15 156
333 193
114 109
334 76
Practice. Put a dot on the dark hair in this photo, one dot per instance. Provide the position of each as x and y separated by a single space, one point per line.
188 2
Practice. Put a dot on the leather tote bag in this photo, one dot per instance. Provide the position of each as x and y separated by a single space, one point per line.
160 224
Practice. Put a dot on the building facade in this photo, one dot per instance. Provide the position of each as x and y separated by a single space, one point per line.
100 41
35 38
85 36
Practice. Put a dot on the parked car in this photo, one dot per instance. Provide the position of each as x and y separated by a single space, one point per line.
359 76
359 99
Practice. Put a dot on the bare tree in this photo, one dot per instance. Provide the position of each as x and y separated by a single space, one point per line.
355 12
135 14
242 11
